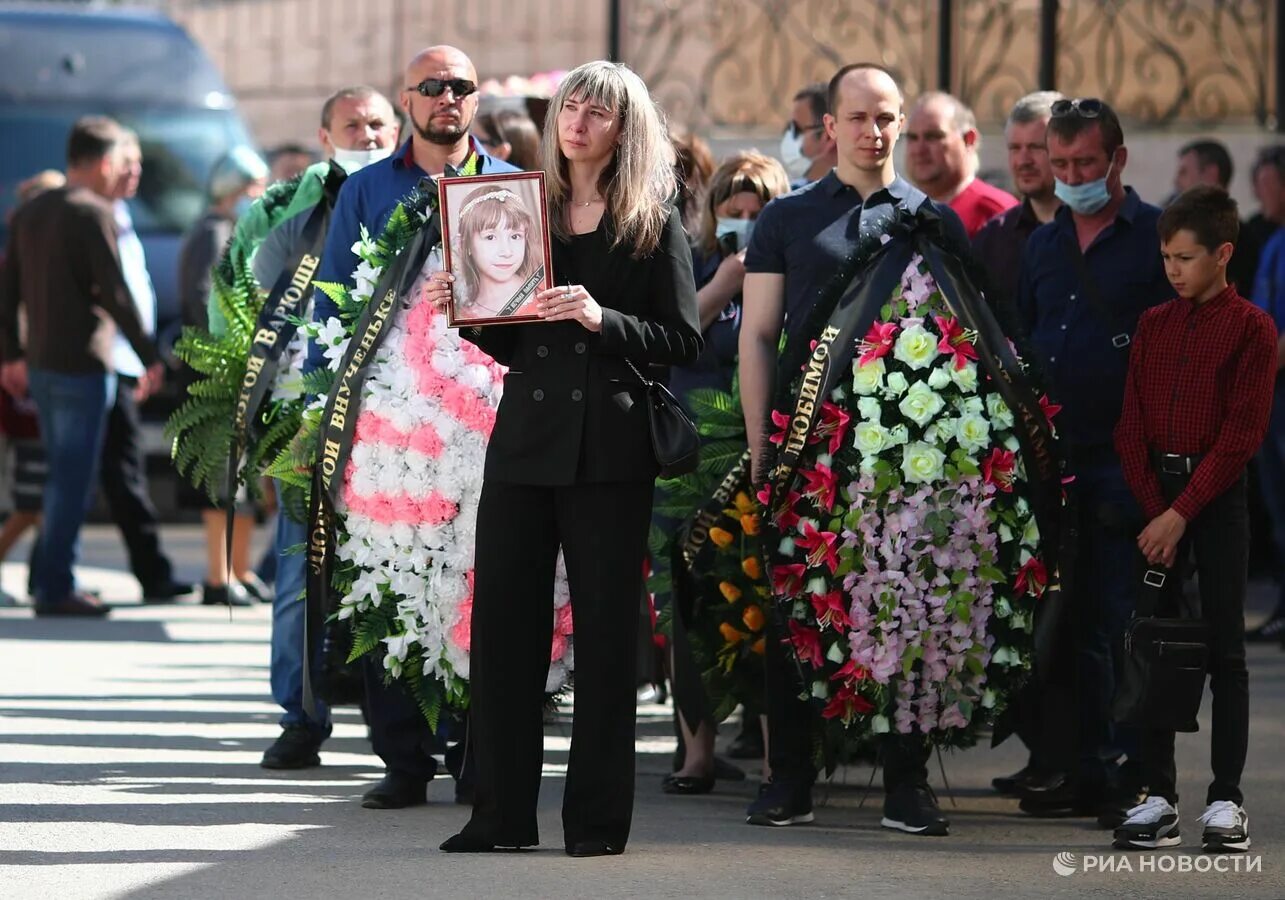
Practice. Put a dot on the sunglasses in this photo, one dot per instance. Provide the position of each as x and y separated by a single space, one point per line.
435 87
1084 107
793 130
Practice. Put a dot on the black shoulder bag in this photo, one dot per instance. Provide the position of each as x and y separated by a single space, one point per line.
674 439
1164 662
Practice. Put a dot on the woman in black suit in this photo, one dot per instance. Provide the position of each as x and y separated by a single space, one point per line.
570 465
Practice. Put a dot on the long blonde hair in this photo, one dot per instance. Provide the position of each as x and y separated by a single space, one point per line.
638 184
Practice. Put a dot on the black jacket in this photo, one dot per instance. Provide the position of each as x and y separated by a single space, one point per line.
572 410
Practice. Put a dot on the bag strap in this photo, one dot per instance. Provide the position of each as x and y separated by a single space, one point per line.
647 382
1089 285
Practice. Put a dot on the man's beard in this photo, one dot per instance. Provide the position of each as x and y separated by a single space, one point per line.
444 137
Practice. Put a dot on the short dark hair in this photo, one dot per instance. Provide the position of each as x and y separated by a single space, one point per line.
1273 156
290 148
1206 211
832 89
818 99
1211 153
1070 126
92 138
356 92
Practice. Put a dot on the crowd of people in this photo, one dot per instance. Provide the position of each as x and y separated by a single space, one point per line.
1155 331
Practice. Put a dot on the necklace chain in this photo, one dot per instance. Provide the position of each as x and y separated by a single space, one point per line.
586 203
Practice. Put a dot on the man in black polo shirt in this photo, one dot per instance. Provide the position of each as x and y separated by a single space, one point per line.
800 241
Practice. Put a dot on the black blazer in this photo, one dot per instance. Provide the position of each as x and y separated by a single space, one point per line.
572 410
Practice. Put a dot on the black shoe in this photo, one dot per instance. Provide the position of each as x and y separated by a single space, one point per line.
912 808
747 745
168 592
781 803
1026 781
594 848
80 603
687 784
1148 826
463 843
255 587
224 595
396 791
1271 630
296 748
1059 800
1226 828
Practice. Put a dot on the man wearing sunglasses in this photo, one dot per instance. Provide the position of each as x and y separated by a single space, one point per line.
440 99
807 150
1086 278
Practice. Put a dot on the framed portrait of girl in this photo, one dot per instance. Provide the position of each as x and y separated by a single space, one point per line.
495 242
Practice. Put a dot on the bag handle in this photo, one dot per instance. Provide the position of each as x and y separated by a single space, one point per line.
647 382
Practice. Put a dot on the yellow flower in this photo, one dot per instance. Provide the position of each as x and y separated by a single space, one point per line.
730 591
743 503
759 646
720 536
750 566
750 523
731 634
753 619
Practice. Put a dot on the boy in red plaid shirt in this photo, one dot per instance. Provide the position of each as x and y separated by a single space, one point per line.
1196 405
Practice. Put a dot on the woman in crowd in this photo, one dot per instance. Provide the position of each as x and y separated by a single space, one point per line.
510 135
737 192
570 463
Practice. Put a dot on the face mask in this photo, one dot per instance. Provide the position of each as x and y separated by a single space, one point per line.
796 164
1087 198
353 160
741 228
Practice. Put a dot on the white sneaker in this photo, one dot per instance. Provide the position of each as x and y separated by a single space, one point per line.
1226 828
1149 825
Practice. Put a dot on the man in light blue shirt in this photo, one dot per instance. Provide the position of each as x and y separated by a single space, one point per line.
123 470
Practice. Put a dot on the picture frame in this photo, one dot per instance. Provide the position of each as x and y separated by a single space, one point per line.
495 241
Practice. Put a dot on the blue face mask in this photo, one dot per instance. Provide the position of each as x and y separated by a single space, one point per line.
1087 198
742 228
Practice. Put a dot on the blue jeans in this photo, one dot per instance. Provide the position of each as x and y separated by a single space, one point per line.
73 422
1105 596
286 668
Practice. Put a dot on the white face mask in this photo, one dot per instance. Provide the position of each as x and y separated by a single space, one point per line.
353 160
796 164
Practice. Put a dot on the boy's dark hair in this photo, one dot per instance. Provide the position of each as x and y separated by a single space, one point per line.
92 138
832 89
1211 153
1074 123
1206 211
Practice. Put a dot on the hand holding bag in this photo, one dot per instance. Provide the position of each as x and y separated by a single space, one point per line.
674 439
1164 664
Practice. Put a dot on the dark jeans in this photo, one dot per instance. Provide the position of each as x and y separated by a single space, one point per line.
123 476
399 733
1104 595
790 720
1219 537
73 419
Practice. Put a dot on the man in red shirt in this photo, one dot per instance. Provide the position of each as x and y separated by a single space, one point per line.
942 142
1196 404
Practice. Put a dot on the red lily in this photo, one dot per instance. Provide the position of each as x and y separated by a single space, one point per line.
997 469
834 423
820 546
1032 577
877 342
831 611
954 340
786 580
783 514
820 485
846 703
807 644
1050 408
782 421
851 672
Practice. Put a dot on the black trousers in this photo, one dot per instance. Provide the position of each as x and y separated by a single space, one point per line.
123 476
602 529
1219 537
399 733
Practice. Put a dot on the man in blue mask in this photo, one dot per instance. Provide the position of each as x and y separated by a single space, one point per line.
1086 278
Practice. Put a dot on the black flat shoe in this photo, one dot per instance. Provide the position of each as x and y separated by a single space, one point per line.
463 843
582 849
395 791
687 784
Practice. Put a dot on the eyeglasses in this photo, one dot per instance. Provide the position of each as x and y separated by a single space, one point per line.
435 87
794 130
1084 107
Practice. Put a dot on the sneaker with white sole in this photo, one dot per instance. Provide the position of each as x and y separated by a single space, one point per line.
1148 826
1226 828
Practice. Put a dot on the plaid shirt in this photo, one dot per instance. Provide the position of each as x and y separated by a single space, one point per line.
1200 383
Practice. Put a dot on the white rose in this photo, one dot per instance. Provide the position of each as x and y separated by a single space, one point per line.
916 347
868 378
974 433
922 463
898 435
897 384
939 378
871 438
870 408
966 378
921 403
970 406
999 412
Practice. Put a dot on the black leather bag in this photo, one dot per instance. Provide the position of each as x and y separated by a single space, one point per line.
674 439
1165 661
